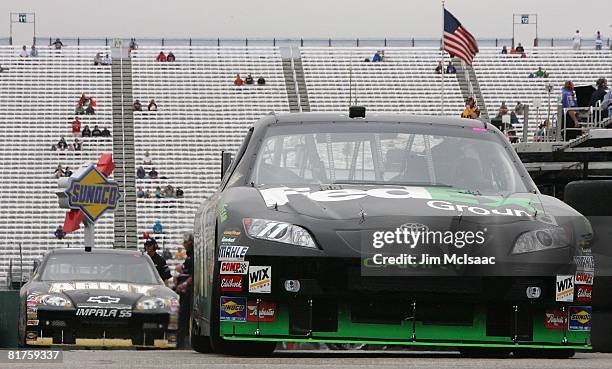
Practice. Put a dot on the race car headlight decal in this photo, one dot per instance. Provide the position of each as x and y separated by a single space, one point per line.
152 303
540 240
278 231
55 300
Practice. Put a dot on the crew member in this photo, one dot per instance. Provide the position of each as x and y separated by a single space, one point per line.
184 287
160 264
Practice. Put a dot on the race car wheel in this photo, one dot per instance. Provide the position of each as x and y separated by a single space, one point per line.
544 353
484 352
198 342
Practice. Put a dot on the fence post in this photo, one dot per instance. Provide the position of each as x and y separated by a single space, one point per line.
11 41
526 123
163 42
413 42
357 42
78 41
329 42
385 42
49 41
218 42
301 42
496 45
552 42
246 42
274 42
189 41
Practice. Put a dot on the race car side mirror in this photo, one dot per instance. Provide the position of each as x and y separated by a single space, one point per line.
226 161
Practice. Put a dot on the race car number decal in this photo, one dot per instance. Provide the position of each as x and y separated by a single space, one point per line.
260 279
104 313
565 288
234 267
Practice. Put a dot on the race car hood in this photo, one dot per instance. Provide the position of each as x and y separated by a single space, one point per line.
354 202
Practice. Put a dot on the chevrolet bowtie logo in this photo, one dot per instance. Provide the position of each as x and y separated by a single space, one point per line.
104 299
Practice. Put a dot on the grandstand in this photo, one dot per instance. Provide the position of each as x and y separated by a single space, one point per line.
37 100
200 112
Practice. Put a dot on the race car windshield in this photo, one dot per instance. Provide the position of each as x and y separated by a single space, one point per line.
474 160
99 267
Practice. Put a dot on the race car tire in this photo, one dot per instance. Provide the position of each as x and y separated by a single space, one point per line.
200 344
601 331
544 353
484 352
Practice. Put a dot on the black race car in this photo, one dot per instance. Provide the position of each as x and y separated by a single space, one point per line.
97 297
387 229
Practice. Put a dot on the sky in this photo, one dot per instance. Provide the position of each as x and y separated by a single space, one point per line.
307 19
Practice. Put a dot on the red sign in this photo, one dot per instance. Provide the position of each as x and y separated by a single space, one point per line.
584 293
231 283
584 278
267 312
234 267
555 319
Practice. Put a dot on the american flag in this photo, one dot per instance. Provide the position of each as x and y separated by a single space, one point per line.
457 40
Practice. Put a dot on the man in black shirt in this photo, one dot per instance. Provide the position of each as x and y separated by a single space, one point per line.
184 287
160 264
599 94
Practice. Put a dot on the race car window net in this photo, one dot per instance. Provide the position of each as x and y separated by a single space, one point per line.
361 154
99 267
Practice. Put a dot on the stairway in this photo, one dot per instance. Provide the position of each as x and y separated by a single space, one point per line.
296 86
463 76
123 153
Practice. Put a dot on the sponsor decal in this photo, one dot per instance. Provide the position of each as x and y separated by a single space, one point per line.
31 335
260 279
104 313
92 193
234 267
231 283
565 288
584 278
266 312
231 232
32 322
555 319
584 263
32 310
579 318
103 299
584 293
32 303
34 296
232 309
226 240
125 287
230 253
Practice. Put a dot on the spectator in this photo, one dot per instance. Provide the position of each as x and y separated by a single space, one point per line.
238 81
161 57
599 94
261 81
170 57
105 132
606 104
61 144
152 105
76 127
471 110
576 40
568 100
59 172
147 158
33 51
140 193
98 60
80 109
147 194
76 145
86 131
184 287
249 79
59 232
377 57
150 247
512 50
153 174
67 172
158 227
24 52
540 73
179 192
137 105
504 50
158 192
503 110
598 41
450 68
58 44
519 109
90 110
107 60
540 134
519 49
96 132
84 99
169 191
439 68
140 173
133 46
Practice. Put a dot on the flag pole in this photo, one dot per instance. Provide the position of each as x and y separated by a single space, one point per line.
442 63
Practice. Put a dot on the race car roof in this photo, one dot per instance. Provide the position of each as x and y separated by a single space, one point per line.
95 250
273 118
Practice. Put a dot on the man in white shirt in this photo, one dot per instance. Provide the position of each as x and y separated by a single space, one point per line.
577 40
107 60
24 52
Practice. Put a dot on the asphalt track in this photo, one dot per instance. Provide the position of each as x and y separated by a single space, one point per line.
307 359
